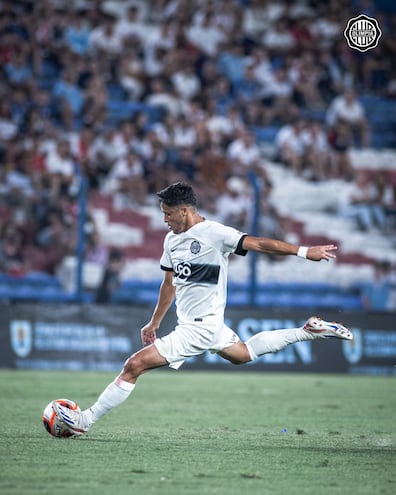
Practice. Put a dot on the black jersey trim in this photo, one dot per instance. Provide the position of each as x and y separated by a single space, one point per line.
239 249
166 268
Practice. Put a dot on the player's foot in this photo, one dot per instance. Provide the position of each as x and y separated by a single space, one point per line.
327 330
74 420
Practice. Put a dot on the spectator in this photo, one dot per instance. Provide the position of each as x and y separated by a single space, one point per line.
111 277
131 72
60 169
80 145
278 39
96 251
248 89
316 151
186 82
105 41
18 183
376 70
244 153
332 75
106 148
348 109
256 17
290 146
19 71
326 28
206 36
361 203
278 93
340 142
163 97
183 133
69 99
212 169
235 204
223 128
125 182
385 196
77 33
270 222
231 62
262 65
19 103
301 31
95 102
129 27
164 37
221 95
376 295
56 237
185 164
305 77
8 129
12 260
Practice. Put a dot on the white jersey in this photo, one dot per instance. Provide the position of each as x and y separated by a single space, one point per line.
199 260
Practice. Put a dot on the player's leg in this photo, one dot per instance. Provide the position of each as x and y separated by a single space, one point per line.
272 341
263 343
115 393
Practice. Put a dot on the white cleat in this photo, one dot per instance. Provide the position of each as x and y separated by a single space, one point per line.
74 420
326 329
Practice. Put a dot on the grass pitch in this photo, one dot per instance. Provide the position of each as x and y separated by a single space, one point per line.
190 433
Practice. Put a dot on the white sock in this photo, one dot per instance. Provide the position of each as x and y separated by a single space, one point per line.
114 395
275 340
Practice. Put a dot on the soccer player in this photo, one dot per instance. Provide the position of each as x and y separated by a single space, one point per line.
195 261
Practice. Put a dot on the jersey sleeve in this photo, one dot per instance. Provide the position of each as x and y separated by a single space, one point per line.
231 240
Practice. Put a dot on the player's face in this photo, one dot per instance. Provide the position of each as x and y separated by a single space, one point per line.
175 217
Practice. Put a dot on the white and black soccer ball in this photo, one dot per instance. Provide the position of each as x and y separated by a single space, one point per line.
53 424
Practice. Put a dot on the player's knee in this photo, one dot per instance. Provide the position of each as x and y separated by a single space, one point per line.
133 366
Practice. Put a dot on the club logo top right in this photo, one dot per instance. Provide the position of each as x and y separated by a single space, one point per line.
362 33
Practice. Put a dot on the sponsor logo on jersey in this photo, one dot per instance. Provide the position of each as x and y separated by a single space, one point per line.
194 272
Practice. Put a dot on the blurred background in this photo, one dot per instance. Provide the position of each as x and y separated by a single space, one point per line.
283 130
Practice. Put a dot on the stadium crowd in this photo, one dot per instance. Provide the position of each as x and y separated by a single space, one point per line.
134 95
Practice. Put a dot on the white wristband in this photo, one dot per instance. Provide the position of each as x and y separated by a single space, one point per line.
302 252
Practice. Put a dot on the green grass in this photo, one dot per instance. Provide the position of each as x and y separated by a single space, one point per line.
187 433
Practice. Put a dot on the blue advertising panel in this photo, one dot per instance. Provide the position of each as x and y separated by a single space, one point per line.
88 337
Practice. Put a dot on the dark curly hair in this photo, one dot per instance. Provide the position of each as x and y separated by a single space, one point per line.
177 194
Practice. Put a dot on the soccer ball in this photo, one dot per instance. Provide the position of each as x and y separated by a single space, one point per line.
51 422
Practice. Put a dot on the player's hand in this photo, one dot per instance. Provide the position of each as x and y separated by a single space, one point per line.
148 334
318 253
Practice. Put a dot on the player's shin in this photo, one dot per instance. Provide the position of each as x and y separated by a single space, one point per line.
114 395
273 341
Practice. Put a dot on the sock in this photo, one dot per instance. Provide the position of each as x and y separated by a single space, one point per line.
114 395
266 342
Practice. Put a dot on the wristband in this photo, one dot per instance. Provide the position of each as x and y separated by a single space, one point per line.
302 252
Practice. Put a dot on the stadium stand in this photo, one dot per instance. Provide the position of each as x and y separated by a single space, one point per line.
95 118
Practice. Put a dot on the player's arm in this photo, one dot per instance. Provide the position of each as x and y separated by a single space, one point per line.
273 246
166 296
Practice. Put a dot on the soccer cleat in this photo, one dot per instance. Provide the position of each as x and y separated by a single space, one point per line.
74 420
326 329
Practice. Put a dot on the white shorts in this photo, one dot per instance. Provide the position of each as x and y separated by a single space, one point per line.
192 339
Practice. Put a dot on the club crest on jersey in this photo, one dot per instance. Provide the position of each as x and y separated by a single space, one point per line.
195 247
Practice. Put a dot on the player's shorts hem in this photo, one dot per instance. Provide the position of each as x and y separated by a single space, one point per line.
190 340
